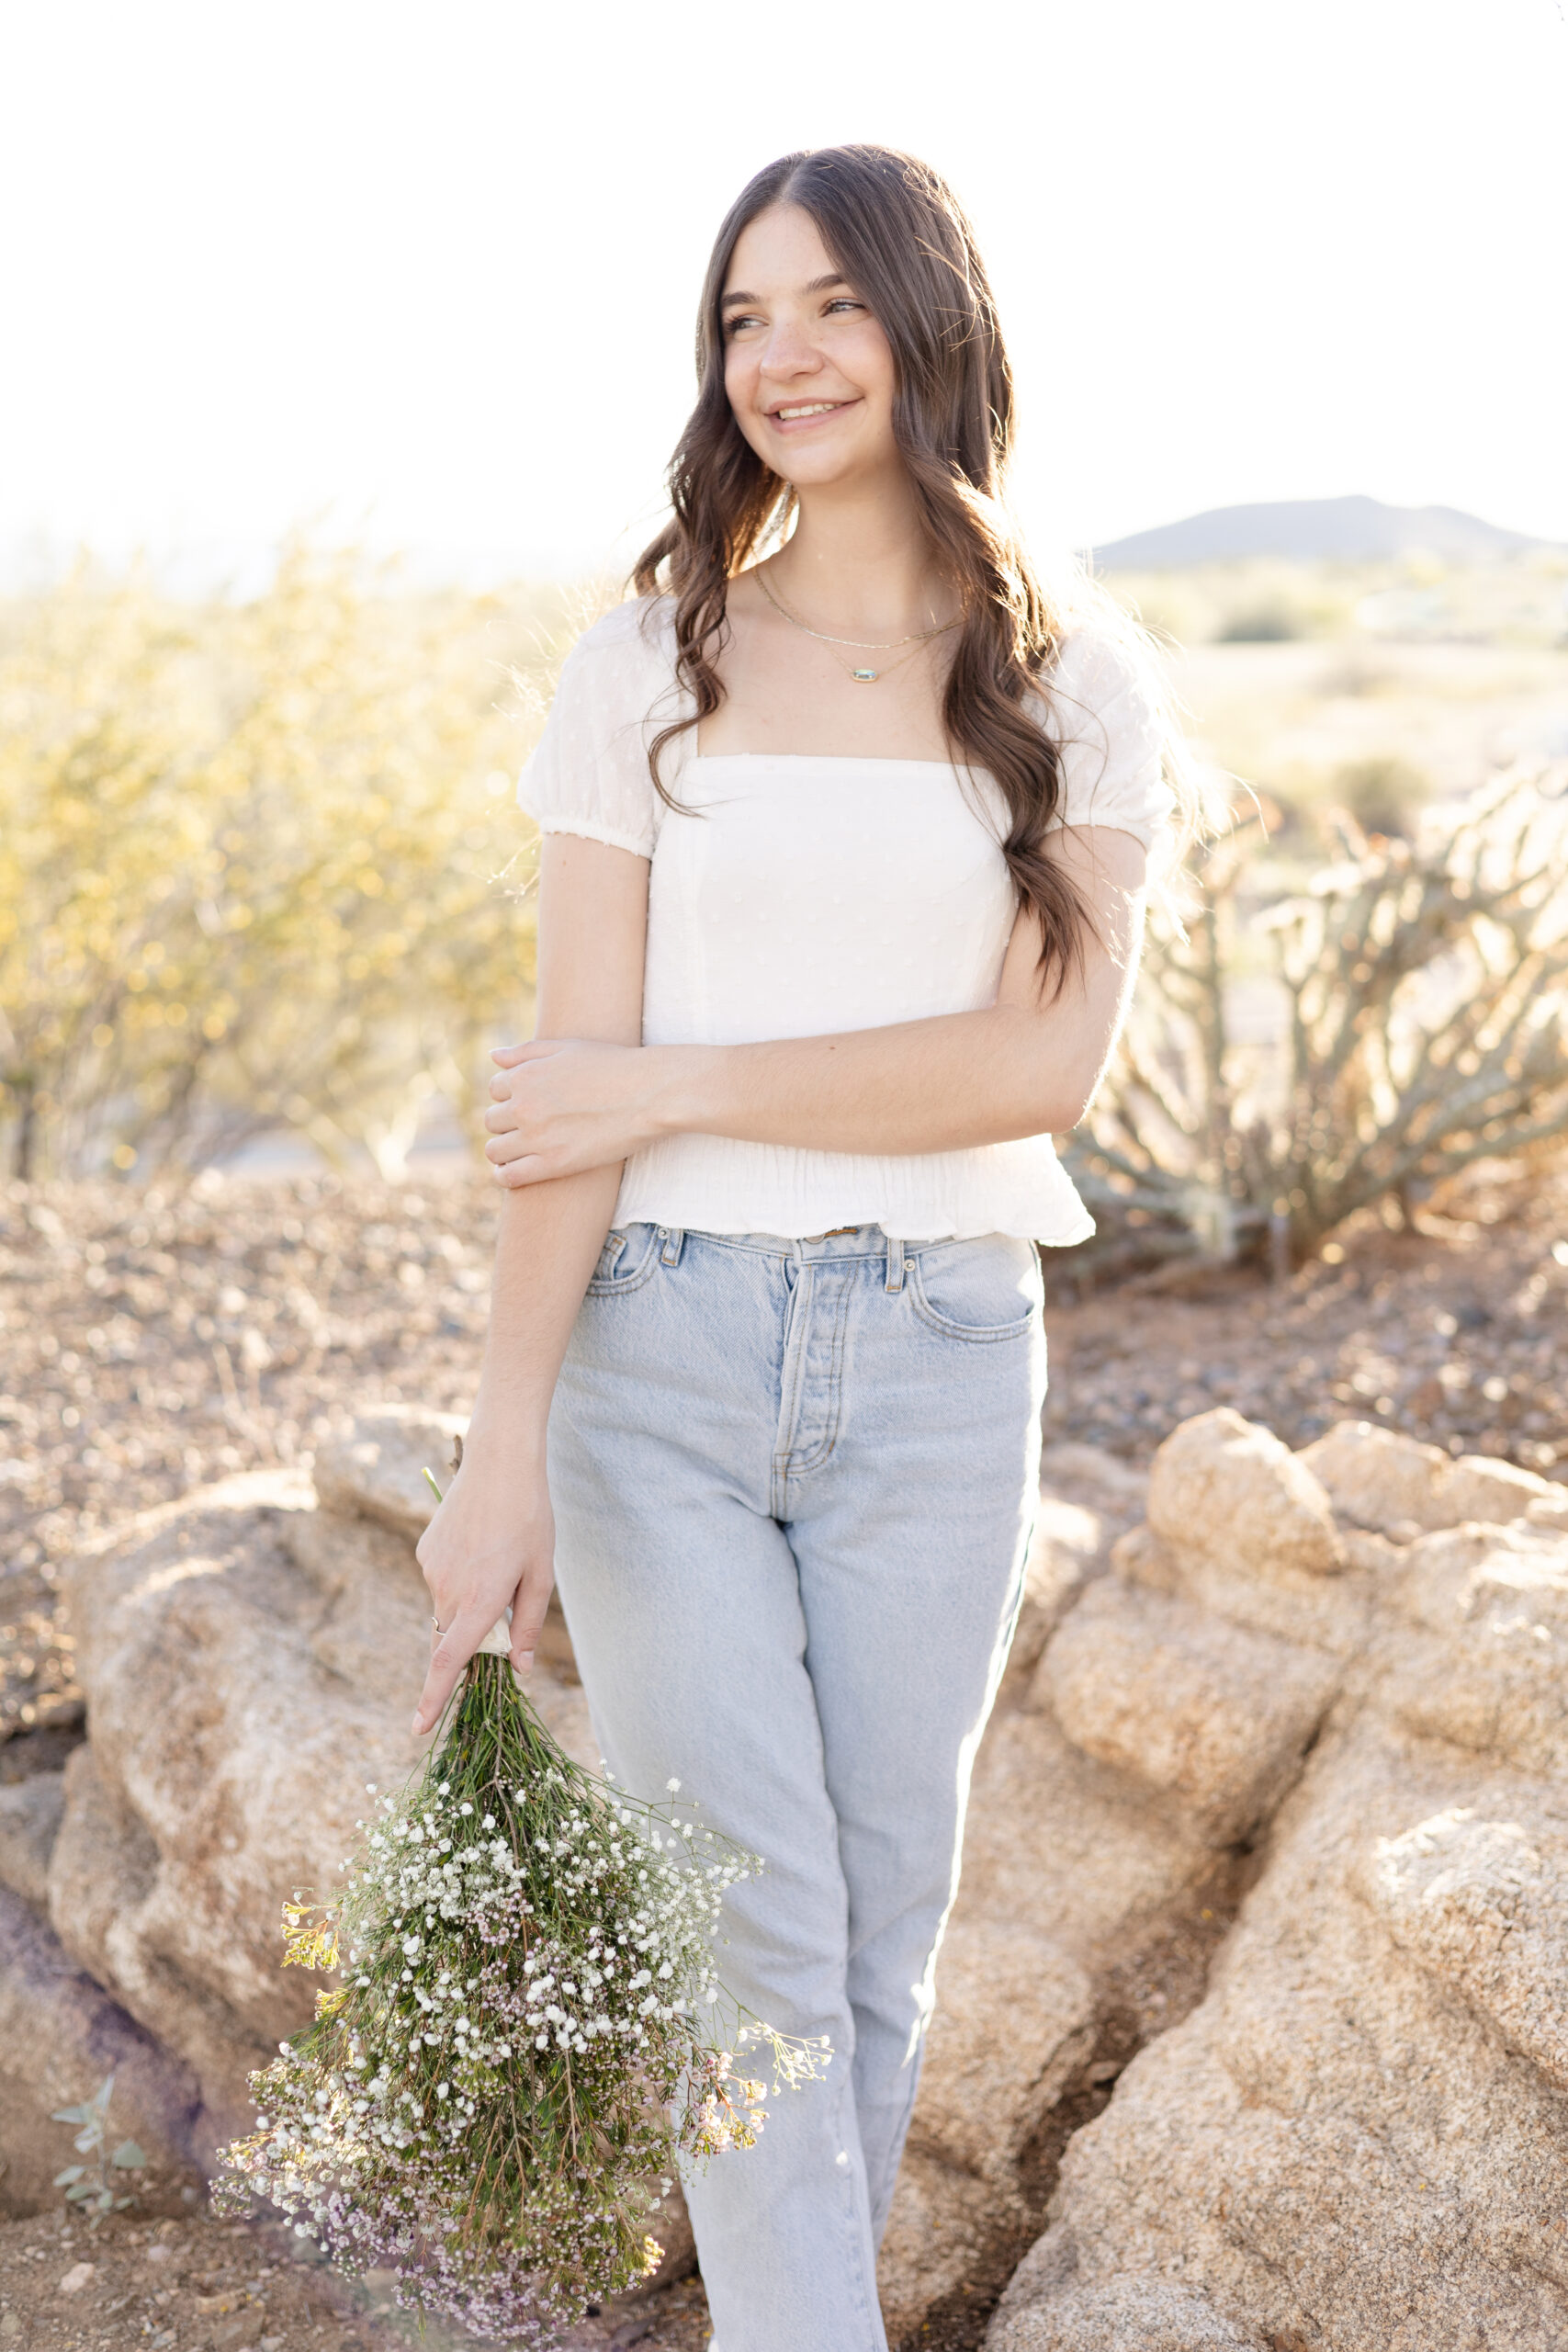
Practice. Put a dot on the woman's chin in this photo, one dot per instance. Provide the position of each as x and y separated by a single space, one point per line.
826 469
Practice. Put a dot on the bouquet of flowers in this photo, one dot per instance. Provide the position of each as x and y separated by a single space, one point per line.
492 2101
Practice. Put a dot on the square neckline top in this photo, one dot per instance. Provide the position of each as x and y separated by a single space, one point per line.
780 906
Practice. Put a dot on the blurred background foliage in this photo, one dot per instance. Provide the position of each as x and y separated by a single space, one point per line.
260 862
1362 985
262 873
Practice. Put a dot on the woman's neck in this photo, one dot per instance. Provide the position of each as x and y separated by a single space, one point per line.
858 563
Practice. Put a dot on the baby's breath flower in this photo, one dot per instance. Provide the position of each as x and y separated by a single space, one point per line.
515 1941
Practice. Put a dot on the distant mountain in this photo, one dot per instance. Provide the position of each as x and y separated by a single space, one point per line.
1340 530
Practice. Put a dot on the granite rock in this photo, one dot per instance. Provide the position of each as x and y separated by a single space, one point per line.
61 2034
1047 2309
377 1470
1380 1480
1217 1717
1088 1498
1014 2024
31 1812
1228 1489
251 1663
1357 2140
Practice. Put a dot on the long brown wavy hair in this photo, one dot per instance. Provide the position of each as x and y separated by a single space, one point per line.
898 235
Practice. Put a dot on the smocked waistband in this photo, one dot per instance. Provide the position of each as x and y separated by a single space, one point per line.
844 1241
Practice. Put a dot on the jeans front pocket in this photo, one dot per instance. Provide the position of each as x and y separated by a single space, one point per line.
985 1289
626 1261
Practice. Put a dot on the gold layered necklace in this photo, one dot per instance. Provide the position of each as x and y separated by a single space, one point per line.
867 676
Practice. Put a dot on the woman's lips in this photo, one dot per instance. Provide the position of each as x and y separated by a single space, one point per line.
800 416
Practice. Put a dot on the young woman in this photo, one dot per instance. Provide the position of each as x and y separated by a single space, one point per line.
840 898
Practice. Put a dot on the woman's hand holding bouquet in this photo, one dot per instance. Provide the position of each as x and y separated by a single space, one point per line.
526 2037
489 1550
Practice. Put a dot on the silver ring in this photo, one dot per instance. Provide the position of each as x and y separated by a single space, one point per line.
441 1630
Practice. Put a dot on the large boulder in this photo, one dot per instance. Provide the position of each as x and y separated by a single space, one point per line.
226 1763
382 1468
1069 1873
1358 2138
1217 1717
1088 1498
1135 1737
1015 2025
1228 1489
31 1813
1333 2149
1047 2309
251 1662
1379 1479
1351 2134
1482 1657
1478 1895
1239 1526
944 2227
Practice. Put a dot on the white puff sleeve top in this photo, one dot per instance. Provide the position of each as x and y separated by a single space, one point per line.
796 897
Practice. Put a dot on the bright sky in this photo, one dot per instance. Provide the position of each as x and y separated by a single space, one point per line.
426 273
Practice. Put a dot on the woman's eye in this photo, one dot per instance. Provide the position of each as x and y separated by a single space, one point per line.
743 319
844 302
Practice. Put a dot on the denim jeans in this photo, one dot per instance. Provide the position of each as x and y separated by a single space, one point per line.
793 1483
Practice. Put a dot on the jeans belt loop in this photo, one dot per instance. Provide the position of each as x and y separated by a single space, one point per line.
895 1263
673 1236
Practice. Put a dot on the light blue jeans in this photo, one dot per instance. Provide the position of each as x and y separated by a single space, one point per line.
793 1483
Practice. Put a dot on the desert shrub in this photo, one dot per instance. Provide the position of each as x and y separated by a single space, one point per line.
1272 621
259 864
1421 991
1245 600
1385 794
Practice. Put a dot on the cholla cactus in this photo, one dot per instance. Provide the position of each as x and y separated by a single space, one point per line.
1425 1004
524 2039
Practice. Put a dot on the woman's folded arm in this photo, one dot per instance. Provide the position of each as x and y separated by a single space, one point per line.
1027 1065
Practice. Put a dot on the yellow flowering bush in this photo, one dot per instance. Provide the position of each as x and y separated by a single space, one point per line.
260 862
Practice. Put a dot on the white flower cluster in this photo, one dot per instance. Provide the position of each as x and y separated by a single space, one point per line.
633 1899
523 2038
644 1959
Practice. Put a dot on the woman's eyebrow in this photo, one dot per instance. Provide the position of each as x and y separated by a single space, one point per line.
816 285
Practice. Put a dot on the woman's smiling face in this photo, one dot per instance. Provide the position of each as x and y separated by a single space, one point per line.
809 373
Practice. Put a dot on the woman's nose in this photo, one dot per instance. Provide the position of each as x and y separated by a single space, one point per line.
790 352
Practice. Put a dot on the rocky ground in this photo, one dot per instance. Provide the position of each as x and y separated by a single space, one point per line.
151 1344
1456 1332
179 2285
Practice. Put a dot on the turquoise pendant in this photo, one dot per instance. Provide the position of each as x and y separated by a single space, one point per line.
864 677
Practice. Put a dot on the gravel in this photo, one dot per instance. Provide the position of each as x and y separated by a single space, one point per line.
153 1342
192 2283
1456 1333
